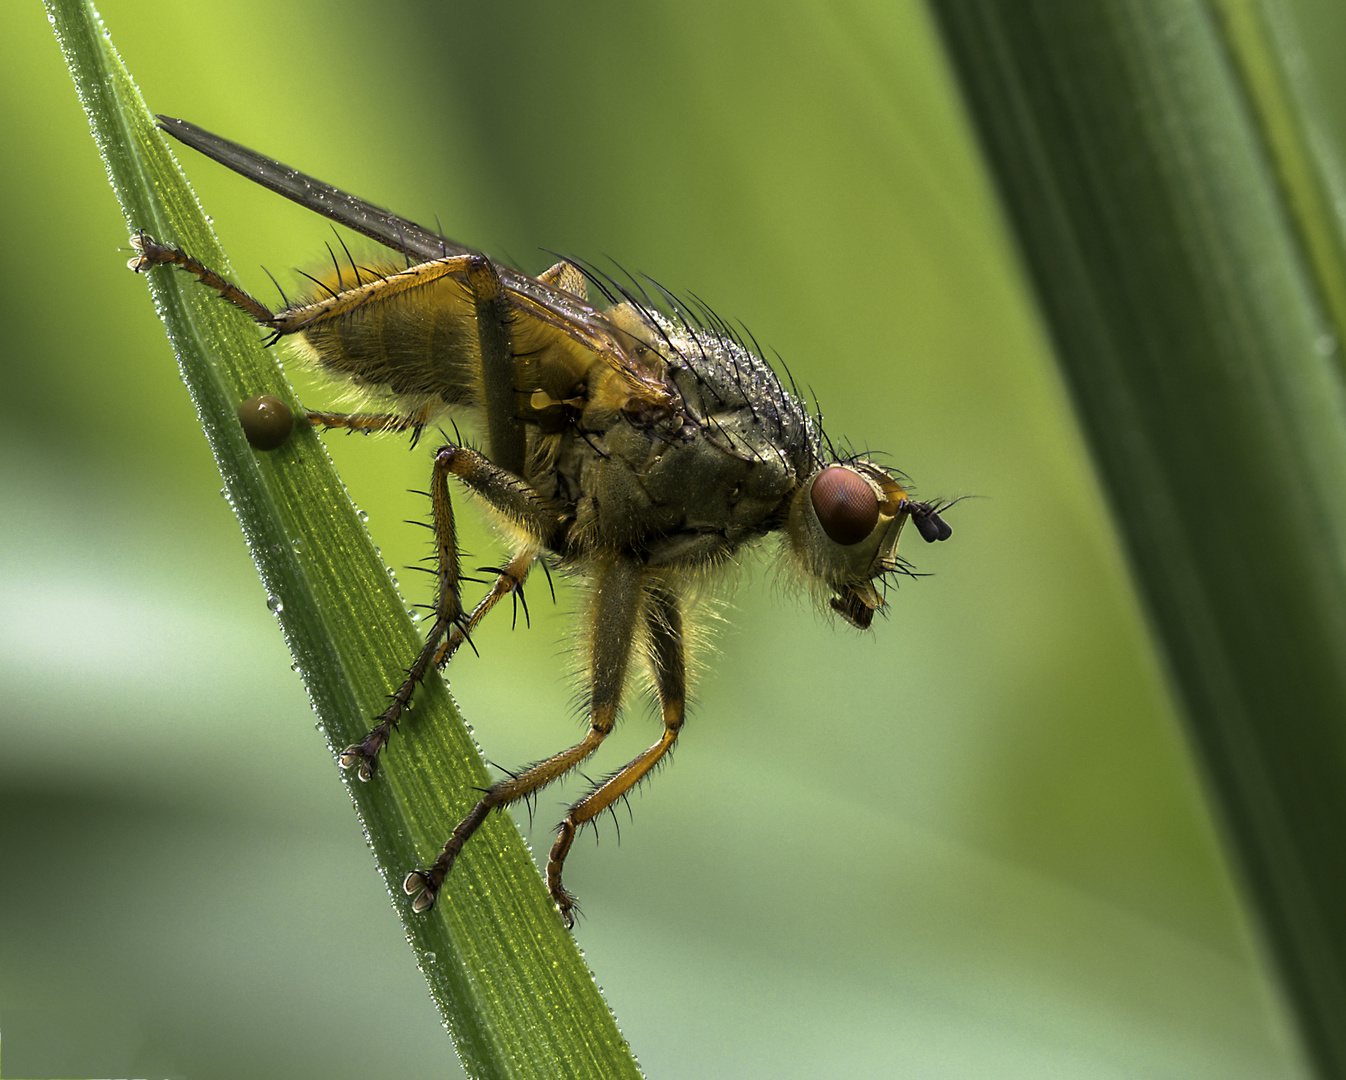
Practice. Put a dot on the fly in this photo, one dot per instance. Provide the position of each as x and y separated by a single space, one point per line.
640 445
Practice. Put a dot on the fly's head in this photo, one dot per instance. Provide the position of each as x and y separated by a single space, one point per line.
843 529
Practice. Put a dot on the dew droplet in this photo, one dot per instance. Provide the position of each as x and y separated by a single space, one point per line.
266 421
274 605
362 515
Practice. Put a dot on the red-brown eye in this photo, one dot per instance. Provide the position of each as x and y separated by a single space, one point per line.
846 505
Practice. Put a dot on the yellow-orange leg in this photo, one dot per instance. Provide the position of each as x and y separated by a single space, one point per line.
151 253
506 438
616 605
369 422
503 490
663 621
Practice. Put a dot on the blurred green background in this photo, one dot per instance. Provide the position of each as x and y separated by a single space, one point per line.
970 843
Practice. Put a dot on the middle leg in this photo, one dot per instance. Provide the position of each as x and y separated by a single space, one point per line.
617 602
508 494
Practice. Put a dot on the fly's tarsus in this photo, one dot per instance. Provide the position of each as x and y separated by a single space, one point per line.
423 885
151 253
365 754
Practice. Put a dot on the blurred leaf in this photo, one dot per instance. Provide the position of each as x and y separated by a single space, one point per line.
1154 171
507 978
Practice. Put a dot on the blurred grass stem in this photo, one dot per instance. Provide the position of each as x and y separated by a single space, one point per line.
1153 167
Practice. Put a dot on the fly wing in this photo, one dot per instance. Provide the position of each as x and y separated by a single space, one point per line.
565 347
537 301
378 224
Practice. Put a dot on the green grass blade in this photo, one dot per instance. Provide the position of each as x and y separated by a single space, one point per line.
508 979
1154 176
1263 44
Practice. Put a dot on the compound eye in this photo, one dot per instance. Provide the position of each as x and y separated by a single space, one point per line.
846 505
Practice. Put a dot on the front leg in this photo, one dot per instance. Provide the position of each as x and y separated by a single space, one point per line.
613 628
668 667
